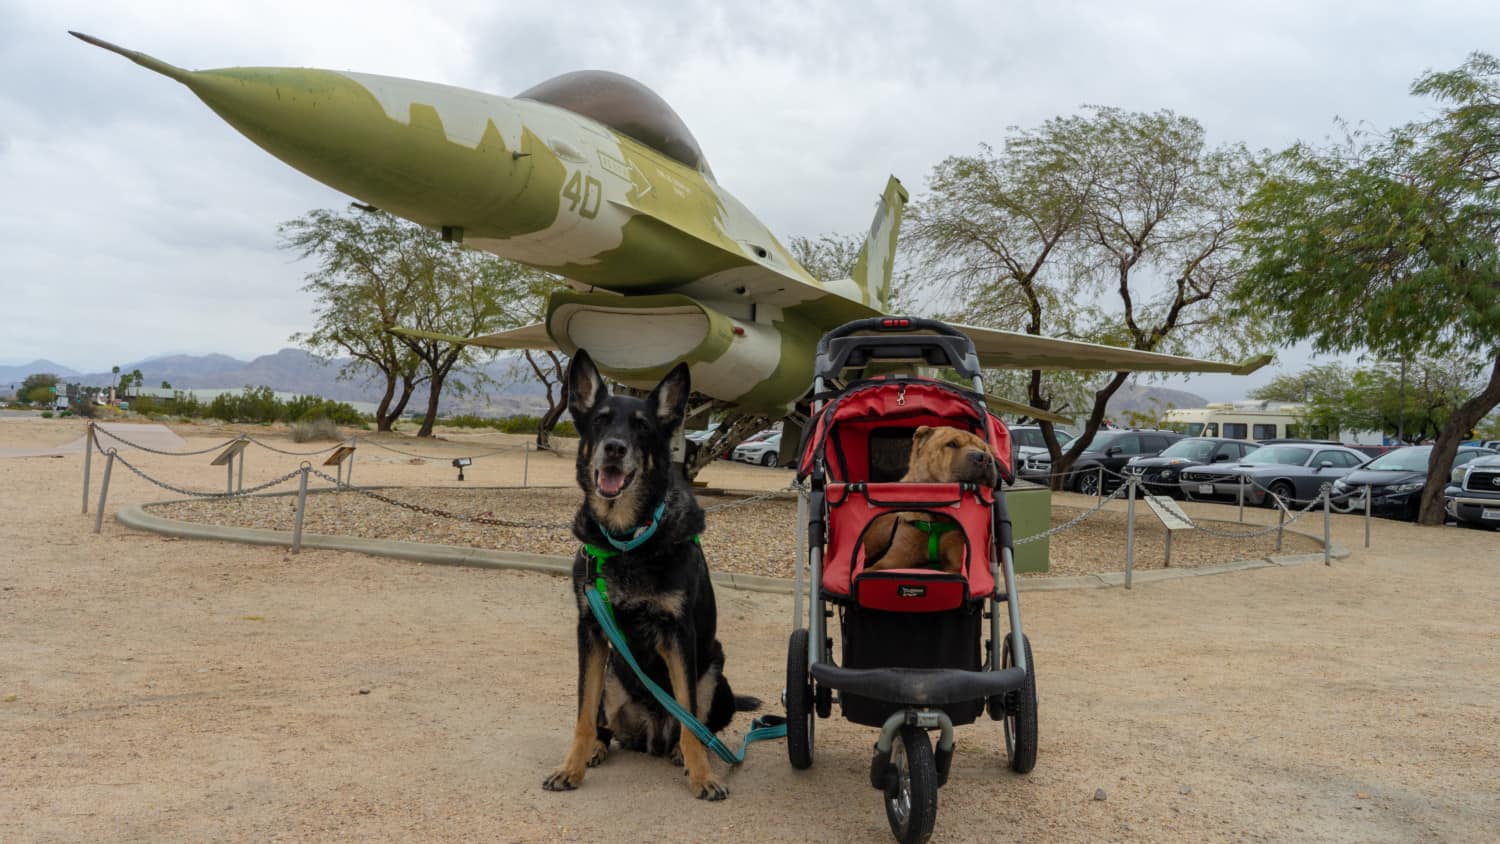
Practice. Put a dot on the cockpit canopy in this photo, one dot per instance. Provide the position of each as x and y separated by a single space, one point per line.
624 105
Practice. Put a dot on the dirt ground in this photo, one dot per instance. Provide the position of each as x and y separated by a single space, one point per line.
153 690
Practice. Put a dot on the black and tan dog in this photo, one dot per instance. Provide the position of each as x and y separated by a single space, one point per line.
919 540
639 523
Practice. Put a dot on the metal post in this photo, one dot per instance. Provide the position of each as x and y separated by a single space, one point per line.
525 462
301 509
1241 495
240 483
800 559
1100 487
88 456
229 483
104 491
1327 536
1280 521
349 477
1130 531
1168 563
1368 490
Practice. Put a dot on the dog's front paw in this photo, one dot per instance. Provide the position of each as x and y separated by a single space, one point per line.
708 788
676 756
599 754
563 779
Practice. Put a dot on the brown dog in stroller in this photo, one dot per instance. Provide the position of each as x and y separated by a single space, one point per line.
911 540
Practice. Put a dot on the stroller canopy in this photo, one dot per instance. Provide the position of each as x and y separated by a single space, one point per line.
864 434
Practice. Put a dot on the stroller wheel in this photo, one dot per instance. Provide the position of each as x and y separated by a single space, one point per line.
1020 713
799 702
911 793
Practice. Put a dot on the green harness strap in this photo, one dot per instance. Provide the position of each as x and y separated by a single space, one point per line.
599 555
934 531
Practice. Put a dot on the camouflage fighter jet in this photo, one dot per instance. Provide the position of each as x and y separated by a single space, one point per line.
592 176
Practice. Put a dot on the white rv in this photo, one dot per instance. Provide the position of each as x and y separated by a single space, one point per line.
1256 420
1244 420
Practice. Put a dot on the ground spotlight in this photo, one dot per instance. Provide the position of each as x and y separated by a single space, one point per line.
460 462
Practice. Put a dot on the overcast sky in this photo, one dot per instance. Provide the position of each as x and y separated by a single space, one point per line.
133 222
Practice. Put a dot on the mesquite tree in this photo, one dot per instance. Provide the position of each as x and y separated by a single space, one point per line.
1390 242
1109 226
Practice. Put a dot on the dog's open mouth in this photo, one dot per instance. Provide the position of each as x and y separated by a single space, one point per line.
611 481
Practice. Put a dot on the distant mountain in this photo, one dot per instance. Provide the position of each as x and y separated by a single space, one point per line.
1142 399
17 374
186 366
296 371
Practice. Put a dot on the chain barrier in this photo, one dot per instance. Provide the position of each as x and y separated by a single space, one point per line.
755 499
1037 537
270 447
1295 515
442 514
192 493
98 430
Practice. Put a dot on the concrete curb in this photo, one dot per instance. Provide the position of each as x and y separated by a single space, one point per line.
453 555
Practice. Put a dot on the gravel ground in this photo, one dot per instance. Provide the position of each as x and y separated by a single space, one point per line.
161 690
755 538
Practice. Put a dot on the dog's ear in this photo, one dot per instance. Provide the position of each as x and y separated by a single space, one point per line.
585 388
920 436
671 396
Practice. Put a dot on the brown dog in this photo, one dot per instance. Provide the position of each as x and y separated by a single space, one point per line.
908 540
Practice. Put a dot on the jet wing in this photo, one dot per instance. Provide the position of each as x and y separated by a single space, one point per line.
1015 350
1015 408
532 336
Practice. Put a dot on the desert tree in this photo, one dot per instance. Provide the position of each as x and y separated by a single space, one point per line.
1107 226
360 286
1389 242
376 271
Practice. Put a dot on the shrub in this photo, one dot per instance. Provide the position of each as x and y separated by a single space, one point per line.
511 424
255 404
46 414
320 428
341 413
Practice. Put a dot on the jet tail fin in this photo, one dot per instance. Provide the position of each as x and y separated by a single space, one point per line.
872 269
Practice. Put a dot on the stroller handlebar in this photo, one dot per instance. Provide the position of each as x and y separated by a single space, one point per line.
896 338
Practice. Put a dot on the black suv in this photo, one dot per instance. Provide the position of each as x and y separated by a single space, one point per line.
1112 450
1162 474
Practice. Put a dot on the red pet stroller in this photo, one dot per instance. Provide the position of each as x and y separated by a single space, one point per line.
911 657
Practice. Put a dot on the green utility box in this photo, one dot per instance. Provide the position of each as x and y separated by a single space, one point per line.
1030 507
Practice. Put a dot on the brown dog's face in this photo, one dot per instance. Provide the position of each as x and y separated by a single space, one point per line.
942 455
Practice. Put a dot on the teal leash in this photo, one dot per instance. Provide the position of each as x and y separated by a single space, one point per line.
762 728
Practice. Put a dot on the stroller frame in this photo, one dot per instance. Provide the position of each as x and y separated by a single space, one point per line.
1005 682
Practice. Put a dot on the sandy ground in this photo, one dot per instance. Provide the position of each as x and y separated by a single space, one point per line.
170 690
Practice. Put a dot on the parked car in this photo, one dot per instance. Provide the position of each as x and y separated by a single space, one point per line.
1026 443
763 451
1395 481
1160 474
1476 501
1112 450
1367 449
1293 471
702 436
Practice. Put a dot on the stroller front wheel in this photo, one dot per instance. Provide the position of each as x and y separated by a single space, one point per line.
1020 713
911 793
799 702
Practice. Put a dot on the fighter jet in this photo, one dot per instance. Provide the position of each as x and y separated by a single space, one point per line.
593 177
